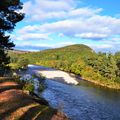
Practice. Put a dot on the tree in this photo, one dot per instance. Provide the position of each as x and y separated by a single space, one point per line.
112 67
4 59
23 63
117 58
77 67
9 16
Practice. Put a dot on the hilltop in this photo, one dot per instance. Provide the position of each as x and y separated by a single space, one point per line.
71 52
80 48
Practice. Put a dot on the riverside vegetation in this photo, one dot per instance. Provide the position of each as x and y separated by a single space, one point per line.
100 68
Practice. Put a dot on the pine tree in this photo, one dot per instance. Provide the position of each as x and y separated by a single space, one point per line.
9 16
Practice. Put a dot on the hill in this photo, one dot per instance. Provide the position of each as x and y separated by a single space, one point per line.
71 52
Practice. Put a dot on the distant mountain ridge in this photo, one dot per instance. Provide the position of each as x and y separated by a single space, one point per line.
18 51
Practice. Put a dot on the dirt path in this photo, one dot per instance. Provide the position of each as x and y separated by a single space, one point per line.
17 105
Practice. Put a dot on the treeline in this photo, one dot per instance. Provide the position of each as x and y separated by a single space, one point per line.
79 59
101 66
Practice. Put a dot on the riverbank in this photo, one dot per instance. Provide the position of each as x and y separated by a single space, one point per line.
17 104
106 84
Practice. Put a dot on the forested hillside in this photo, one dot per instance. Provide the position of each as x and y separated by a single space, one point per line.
101 68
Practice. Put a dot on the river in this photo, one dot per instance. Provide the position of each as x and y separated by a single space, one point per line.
84 102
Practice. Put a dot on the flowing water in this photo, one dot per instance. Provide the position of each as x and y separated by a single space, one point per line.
84 102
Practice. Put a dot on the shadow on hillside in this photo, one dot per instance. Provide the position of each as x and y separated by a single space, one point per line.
11 105
2 89
38 113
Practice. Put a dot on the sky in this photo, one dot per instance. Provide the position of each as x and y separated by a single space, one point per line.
57 23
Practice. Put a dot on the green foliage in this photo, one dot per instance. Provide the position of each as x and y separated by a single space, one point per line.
4 58
28 81
89 73
14 66
105 64
23 63
9 16
77 67
117 79
61 54
117 58
41 87
29 87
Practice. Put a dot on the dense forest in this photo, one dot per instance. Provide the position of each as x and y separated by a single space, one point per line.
100 68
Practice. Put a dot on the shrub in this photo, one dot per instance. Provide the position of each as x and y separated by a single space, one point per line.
23 63
117 79
89 73
29 87
41 87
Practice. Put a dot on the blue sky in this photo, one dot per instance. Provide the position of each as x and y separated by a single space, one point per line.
57 23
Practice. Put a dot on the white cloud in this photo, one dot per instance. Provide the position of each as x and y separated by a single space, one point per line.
115 39
62 44
39 10
56 45
55 5
69 20
35 36
65 18
95 27
31 36
102 46
42 10
91 36
28 29
61 35
84 12
34 45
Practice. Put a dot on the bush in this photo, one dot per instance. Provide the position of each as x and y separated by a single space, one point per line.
41 87
29 87
117 79
23 63
89 73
